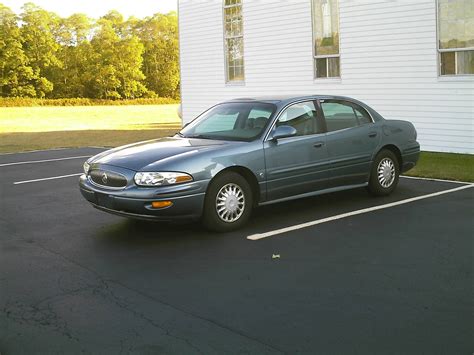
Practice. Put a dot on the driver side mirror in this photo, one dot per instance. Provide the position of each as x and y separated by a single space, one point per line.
283 132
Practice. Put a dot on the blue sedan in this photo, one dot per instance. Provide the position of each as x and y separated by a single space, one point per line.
248 152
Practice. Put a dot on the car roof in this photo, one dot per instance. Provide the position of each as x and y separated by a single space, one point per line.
285 99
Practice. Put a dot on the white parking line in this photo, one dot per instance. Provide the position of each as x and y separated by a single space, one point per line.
433 179
45 160
353 213
52 150
44 179
35 151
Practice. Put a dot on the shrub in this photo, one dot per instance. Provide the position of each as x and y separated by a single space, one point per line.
25 101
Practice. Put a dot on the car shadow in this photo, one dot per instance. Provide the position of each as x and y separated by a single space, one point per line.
284 214
136 233
264 218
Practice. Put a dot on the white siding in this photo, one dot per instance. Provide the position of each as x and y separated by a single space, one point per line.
388 60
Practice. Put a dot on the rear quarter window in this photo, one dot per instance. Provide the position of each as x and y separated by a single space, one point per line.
362 115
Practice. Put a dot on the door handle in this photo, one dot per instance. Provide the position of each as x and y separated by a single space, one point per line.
372 134
318 145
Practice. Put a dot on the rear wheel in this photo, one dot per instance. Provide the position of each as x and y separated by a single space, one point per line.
385 173
228 203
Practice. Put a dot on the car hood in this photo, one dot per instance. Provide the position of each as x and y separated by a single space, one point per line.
138 156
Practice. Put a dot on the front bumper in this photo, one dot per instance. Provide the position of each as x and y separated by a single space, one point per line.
135 202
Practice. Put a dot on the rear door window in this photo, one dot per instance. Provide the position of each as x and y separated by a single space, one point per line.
338 114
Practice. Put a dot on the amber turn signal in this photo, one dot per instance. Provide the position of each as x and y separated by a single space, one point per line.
161 204
183 178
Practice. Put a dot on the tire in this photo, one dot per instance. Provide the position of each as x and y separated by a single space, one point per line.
384 174
222 214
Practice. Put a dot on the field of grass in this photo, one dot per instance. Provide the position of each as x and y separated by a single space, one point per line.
71 118
20 142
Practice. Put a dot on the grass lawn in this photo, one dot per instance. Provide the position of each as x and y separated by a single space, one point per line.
445 166
47 127
19 142
69 118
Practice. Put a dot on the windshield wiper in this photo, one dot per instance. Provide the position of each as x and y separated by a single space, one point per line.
200 136
180 134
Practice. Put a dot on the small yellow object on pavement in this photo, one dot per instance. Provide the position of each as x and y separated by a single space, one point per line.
276 256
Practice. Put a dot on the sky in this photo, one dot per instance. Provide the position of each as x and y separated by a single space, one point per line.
98 8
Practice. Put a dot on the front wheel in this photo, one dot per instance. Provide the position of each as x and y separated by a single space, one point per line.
228 203
385 173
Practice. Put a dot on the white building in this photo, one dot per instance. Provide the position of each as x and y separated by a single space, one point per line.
411 60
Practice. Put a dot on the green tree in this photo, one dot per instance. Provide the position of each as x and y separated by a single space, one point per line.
129 63
116 72
74 54
116 21
159 35
100 76
39 33
17 78
49 56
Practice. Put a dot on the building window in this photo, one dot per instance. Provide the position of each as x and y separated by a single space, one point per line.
456 37
326 38
234 40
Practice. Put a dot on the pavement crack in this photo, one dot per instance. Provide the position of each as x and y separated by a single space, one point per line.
193 315
154 299
106 291
123 305
43 316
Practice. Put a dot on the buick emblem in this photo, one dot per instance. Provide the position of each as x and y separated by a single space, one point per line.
104 178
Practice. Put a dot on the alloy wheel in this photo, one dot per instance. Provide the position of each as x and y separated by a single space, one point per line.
230 202
386 172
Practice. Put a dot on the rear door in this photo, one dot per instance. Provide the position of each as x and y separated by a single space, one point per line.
297 165
351 140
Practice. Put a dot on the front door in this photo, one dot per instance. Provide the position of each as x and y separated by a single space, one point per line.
297 165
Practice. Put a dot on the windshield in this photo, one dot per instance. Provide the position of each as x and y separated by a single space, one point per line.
244 121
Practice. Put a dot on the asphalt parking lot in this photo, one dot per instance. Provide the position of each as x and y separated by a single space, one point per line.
349 279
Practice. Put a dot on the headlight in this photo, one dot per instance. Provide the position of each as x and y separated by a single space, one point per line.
161 179
86 167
